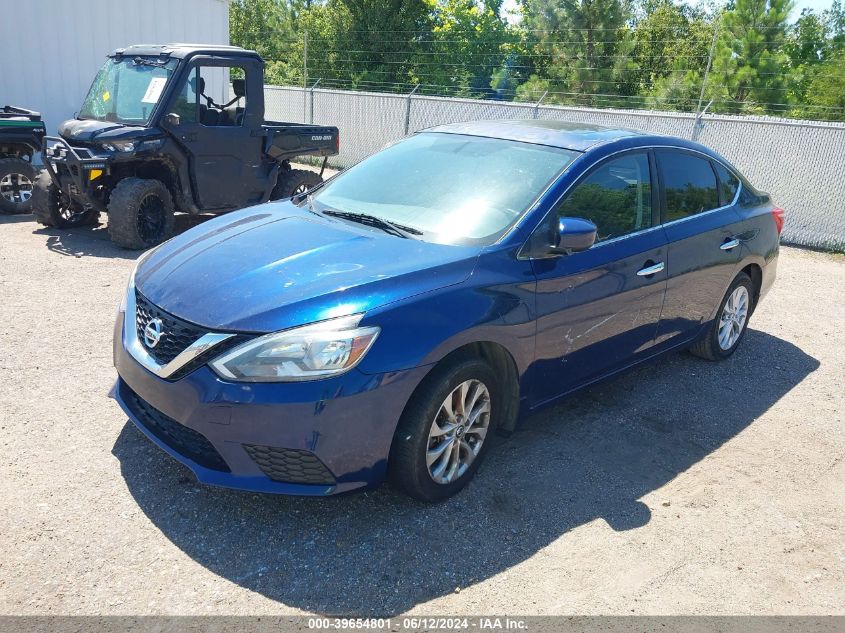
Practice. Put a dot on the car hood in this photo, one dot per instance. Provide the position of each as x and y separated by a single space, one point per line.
276 266
87 131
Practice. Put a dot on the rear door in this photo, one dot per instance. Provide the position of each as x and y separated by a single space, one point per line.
597 310
704 232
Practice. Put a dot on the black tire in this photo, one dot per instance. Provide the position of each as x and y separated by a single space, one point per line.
294 181
17 181
708 347
51 208
141 213
407 467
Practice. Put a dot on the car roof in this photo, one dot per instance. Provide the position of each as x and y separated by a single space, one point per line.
180 50
563 134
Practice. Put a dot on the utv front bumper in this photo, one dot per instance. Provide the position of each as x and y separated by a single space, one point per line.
74 170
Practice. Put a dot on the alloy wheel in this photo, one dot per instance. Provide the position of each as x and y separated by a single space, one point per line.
458 431
16 188
733 317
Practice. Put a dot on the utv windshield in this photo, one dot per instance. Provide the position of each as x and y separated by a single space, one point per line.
126 90
446 188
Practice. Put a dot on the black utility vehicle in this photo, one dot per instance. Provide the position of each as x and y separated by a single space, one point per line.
21 132
172 128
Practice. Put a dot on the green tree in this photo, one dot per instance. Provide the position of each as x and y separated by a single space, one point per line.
826 93
471 46
583 47
672 43
266 26
750 63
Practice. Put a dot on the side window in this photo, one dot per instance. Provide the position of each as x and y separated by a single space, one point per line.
222 96
213 96
616 197
185 102
690 184
728 182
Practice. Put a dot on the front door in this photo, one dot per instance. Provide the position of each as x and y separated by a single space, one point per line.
224 148
598 310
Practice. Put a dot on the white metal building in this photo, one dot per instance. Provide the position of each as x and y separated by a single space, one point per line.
50 50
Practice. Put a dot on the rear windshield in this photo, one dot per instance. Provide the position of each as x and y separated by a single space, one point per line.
454 189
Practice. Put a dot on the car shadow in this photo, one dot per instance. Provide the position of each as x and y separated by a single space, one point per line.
94 241
593 456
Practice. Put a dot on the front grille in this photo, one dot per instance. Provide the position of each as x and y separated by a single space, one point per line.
176 334
185 441
289 465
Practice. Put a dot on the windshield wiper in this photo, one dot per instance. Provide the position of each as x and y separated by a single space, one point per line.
400 230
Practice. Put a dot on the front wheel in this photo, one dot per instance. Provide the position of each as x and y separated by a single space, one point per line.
446 430
728 328
294 182
141 213
52 208
16 183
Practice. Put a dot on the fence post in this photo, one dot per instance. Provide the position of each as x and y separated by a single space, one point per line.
408 109
316 83
537 105
304 75
697 125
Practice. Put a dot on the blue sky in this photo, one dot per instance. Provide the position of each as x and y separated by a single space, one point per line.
817 5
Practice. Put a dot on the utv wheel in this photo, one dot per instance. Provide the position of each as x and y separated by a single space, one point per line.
294 182
141 213
446 430
52 208
17 178
731 322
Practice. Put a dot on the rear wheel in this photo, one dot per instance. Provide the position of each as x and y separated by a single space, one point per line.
294 182
52 208
446 430
728 328
17 178
141 213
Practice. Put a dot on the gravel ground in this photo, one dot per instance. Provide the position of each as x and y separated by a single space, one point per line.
683 487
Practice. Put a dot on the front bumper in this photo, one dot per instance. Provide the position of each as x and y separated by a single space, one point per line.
70 168
313 438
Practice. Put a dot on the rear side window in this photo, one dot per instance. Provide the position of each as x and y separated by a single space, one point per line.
728 182
616 197
689 183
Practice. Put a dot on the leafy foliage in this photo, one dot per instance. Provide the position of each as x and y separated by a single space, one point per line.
620 53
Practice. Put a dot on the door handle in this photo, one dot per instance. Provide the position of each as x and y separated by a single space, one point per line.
730 244
648 271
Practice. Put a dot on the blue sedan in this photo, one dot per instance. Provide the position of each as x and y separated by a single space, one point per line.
386 323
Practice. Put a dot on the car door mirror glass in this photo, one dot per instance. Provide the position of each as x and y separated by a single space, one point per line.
573 235
172 119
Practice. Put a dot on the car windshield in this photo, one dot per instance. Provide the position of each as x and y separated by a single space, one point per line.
454 189
126 89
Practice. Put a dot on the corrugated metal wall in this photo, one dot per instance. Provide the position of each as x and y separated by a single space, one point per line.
50 50
801 163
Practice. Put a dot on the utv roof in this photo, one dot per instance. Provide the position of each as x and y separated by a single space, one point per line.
181 51
577 136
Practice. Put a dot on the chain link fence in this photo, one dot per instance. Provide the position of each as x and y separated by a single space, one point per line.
802 164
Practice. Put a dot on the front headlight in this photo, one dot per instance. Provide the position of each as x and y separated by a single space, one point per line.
319 350
119 146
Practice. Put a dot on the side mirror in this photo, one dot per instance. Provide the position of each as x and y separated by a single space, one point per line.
171 119
573 235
